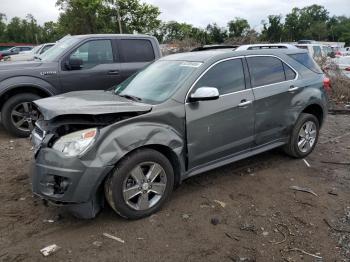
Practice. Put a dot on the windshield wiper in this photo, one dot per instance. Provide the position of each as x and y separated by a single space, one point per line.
130 97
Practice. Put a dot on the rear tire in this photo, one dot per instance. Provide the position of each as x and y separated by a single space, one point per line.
12 107
304 136
140 184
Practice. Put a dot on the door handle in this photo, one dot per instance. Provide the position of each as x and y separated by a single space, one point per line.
245 103
293 88
113 72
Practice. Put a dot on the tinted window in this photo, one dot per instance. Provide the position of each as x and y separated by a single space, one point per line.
290 74
94 53
136 50
25 48
265 70
306 60
226 76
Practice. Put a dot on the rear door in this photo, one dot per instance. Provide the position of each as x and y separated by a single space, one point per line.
274 86
134 55
100 69
219 129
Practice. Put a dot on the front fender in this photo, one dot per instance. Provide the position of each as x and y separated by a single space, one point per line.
117 141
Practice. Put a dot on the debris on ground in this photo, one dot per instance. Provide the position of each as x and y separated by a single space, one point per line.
48 221
232 236
302 251
114 238
249 227
222 204
303 189
334 228
215 221
49 250
336 163
306 163
332 192
185 216
97 243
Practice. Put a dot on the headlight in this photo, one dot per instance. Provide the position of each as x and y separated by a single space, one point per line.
76 143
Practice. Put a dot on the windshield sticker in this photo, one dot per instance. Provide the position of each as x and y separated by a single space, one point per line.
191 64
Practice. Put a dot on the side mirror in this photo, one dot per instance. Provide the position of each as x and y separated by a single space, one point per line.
74 63
205 93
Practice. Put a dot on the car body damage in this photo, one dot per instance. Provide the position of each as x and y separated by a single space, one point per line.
88 103
124 126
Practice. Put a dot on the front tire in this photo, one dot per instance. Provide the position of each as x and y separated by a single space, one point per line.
18 115
140 184
304 136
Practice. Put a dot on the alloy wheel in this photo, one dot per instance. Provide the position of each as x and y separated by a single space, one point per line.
307 136
24 115
144 186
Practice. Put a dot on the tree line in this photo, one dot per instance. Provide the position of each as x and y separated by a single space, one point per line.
134 16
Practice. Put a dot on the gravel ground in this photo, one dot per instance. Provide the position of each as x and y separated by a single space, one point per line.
245 211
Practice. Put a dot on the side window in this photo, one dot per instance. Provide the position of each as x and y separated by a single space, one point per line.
227 77
265 70
317 51
136 50
94 53
45 48
290 74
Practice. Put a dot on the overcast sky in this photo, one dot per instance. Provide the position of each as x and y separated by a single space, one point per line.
196 12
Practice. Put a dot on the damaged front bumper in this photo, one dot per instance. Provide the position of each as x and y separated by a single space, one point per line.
69 181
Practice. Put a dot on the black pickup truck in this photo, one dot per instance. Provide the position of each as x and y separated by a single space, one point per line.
81 62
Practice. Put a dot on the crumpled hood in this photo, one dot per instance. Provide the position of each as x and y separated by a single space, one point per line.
88 103
18 65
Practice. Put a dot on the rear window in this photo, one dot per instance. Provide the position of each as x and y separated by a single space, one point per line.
307 61
136 50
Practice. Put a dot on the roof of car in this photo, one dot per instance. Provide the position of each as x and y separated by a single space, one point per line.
113 35
222 54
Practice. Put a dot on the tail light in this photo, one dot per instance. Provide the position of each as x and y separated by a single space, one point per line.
338 53
327 85
347 69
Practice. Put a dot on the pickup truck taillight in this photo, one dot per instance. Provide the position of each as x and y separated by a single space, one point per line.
327 85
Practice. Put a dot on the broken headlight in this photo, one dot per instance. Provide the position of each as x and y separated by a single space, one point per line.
76 143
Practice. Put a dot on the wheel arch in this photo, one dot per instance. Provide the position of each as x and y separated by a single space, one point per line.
21 89
166 151
316 110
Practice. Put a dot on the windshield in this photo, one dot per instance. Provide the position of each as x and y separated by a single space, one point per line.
61 46
157 82
35 49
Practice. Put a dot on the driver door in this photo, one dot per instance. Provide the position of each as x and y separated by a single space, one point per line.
99 69
221 128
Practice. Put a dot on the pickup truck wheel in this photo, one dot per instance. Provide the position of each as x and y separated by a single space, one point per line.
304 136
140 184
18 115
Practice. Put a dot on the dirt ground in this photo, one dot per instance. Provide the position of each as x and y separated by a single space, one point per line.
245 211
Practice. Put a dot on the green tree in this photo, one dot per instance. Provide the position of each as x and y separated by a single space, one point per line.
3 27
216 34
273 30
238 27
